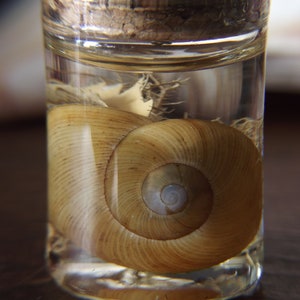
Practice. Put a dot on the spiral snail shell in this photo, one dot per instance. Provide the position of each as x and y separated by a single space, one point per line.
168 196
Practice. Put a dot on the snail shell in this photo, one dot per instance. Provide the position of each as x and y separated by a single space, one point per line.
169 196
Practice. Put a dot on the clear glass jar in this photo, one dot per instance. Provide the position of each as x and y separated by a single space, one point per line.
155 116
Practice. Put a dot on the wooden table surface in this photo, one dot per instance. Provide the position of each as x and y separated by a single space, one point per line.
23 207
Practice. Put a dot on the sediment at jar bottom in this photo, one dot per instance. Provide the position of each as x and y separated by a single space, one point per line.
158 294
80 274
99 159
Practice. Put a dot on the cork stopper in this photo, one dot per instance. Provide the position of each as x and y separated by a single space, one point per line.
154 21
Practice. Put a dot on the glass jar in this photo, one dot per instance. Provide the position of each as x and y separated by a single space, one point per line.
155 117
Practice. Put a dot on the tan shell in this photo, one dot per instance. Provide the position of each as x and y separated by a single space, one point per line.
169 196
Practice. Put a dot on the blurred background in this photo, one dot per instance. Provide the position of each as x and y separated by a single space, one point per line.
23 155
22 62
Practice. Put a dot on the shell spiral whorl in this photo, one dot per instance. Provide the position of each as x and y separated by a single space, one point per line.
173 197
166 190
160 160
169 196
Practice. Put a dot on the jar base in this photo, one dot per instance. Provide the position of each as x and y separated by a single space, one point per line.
90 278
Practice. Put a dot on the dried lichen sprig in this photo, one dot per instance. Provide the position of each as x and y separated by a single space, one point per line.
158 91
60 93
146 97
102 94
252 128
